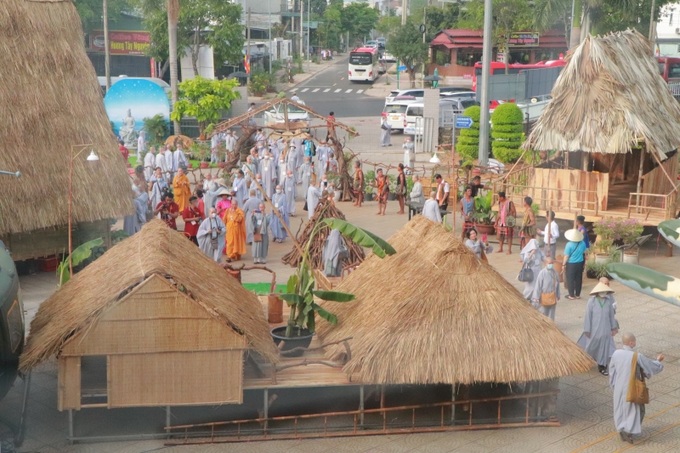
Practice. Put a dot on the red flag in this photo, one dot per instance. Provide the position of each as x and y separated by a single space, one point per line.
246 64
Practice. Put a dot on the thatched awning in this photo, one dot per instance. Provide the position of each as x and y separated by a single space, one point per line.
433 313
608 99
52 100
155 250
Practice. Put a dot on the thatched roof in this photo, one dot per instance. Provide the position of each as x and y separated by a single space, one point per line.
434 313
52 101
609 98
155 250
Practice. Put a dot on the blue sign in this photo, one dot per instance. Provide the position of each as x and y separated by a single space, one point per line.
401 68
463 122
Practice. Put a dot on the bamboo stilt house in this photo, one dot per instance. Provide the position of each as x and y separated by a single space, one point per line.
448 319
615 122
53 101
152 322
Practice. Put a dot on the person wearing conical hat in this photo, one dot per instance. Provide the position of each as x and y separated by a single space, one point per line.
573 263
599 327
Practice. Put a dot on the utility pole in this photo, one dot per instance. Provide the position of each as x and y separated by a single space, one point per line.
484 98
248 42
107 51
270 34
404 5
652 27
302 16
309 15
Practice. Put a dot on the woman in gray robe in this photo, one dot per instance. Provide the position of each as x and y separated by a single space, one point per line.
289 189
260 224
211 236
385 132
599 327
334 251
531 256
547 281
249 206
279 202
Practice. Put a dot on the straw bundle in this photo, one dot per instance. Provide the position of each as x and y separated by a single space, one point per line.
155 250
53 101
446 318
324 210
608 99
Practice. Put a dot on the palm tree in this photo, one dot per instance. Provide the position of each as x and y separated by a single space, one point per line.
173 19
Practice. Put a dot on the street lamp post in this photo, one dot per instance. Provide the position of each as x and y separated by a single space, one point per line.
91 158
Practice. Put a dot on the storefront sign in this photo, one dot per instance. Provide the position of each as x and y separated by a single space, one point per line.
121 42
523 39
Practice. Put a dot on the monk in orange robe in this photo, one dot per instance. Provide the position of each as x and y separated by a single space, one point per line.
182 189
234 219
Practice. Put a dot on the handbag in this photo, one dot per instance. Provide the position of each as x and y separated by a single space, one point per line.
257 237
526 275
638 393
305 208
550 299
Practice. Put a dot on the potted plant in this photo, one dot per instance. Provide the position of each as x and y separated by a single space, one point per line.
482 215
629 231
392 181
596 270
369 180
301 293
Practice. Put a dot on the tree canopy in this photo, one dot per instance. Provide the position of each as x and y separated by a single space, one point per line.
204 99
408 46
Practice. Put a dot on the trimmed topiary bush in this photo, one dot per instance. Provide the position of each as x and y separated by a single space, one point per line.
468 142
507 132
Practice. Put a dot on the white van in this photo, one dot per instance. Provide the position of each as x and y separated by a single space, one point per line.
396 113
447 109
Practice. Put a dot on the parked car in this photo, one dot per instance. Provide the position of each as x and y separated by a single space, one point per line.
388 57
295 115
416 93
396 111
446 90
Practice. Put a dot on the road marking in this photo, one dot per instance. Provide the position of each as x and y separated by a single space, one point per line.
360 91
326 90
315 90
348 91
303 90
338 90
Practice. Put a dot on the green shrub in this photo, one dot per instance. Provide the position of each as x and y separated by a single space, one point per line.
156 129
261 83
507 132
468 142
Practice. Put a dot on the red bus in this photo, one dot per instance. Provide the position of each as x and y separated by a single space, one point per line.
669 68
513 68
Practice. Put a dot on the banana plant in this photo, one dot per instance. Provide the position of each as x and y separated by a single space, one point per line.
647 281
301 287
79 254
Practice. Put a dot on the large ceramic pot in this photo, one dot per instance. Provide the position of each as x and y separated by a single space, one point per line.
484 229
368 196
602 258
301 341
631 257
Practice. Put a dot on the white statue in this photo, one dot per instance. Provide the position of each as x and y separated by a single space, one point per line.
127 131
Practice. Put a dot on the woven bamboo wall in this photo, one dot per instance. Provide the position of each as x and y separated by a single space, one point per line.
569 190
163 347
177 378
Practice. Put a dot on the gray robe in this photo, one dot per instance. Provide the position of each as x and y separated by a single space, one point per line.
385 131
532 255
313 195
260 222
249 206
289 189
305 176
431 211
239 185
157 186
416 194
545 282
599 321
210 197
267 170
627 416
334 251
292 163
211 237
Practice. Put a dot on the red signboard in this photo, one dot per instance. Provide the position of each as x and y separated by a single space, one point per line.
121 42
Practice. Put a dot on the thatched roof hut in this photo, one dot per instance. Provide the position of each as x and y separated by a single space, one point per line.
53 101
448 318
608 99
156 249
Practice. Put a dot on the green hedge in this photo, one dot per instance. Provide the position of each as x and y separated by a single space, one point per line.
507 132
468 142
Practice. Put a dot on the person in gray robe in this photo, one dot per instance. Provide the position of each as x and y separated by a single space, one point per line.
385 132
628 416
281 171
599 327
292 163
239 186
279 201
249 170
289 189
322 159
260 224
211 236
431 208
170 173
532 256
305 175
249 206
416 195
313 196
267 170
546 281
334 251
134 222
157 186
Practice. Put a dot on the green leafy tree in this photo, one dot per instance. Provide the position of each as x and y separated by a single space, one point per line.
213 23
507 132
331 28
359 19
388 25
468 142
90 11
408 46
437 19
204 99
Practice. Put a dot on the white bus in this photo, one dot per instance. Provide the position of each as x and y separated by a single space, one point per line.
364 65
